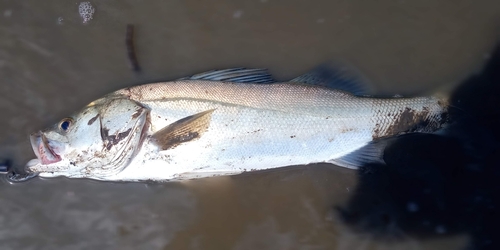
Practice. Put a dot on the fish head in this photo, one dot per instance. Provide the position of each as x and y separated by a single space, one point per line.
96 142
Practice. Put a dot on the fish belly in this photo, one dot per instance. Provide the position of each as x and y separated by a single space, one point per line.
241 139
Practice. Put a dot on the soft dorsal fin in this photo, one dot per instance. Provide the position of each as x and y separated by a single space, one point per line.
336 77
239 75
183 130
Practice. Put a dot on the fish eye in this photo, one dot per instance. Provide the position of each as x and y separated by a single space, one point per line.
65 124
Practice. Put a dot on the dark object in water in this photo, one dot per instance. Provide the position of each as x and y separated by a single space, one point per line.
433 185
11 175
4 166
14 177
129 42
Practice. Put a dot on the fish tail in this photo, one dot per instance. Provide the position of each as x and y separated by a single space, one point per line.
443 98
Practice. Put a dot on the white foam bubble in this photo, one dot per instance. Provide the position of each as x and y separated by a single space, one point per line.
86 11
237 14
7 13
440 229
412 207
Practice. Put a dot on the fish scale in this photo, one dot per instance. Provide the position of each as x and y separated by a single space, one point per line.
251 133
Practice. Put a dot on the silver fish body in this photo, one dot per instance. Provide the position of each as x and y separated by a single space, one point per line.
195 128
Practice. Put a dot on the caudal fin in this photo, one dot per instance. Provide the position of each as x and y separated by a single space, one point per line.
432 185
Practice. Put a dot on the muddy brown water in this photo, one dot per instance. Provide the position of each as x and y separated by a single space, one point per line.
52 64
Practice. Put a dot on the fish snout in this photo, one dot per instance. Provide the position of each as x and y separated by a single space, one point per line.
35 139
42 148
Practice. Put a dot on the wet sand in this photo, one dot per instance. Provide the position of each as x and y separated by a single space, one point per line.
51 64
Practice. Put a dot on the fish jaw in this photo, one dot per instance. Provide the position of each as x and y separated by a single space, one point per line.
43 151
57 169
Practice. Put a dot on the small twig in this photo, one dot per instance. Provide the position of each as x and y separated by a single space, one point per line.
129 42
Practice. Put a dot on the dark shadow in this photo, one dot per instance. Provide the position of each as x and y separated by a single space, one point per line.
434 185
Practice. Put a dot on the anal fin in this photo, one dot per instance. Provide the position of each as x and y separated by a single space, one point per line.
373 152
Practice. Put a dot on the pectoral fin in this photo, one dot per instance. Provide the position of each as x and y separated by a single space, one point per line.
183 130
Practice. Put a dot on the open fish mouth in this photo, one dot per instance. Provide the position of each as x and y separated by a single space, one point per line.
42 149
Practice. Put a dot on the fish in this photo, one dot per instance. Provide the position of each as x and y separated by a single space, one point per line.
226 122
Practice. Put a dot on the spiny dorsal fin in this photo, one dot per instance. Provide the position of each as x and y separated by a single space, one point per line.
239 75
183 130
336 77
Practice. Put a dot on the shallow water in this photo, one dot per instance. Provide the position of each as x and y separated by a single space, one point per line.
51 64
